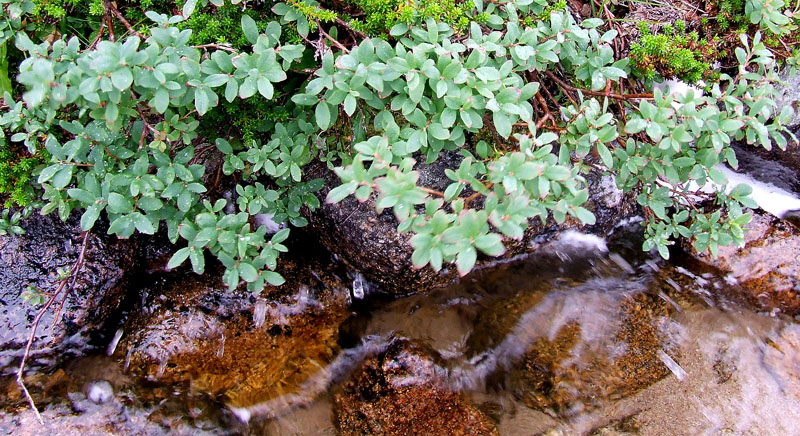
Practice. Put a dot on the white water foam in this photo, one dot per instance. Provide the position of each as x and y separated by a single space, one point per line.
317 384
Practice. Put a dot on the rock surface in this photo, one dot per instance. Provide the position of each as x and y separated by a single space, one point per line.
788 94
33 259
776 167
233 345
397 393
369 242
567 374
767 267
781 357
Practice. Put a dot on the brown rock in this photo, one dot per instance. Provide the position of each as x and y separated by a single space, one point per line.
233 345
768 266
397 393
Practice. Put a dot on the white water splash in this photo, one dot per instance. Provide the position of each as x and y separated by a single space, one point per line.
572 239
769 197
279 313
112 346
358 286
317 384
259 312
673 366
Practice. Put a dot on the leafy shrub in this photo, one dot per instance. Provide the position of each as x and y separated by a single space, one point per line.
136 129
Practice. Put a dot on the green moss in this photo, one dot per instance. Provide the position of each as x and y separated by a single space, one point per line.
380 15
209 25
16 169
672 54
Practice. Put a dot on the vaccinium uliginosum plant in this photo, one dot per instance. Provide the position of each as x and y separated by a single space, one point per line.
531 109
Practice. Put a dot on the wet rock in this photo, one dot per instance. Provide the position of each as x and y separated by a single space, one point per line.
788 94
112 418
33 259
626 426
776 167
557 375
767 267
234 346
369 242
398 393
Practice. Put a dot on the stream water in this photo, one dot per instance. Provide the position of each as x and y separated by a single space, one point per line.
581 338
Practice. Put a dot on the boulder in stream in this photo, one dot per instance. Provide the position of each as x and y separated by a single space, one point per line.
369 242
397 392
33 259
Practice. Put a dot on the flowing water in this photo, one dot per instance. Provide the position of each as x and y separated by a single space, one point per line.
581 338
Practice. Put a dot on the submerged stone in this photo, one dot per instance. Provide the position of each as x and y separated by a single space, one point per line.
399 392
558 374
766 267
572 345
782 357
231 345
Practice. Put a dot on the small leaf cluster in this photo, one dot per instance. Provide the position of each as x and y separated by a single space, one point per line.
425 94
379 16
767 14
10 221
686 139
16 169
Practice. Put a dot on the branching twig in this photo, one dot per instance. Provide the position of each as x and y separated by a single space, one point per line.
99 35
332 39
475 195
567 86
76 267
225 47
432 191
343 23
110 6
